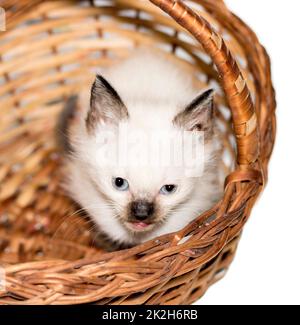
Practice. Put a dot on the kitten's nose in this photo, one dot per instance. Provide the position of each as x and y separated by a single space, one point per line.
142 210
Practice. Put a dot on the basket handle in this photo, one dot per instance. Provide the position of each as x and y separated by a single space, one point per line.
234 85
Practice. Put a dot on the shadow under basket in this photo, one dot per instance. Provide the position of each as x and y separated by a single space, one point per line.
48 51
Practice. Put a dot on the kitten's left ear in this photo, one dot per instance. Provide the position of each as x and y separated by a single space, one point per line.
198 115
106 106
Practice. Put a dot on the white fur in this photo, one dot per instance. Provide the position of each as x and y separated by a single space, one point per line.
154 90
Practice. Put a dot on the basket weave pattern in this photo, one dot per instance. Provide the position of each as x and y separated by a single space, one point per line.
46 246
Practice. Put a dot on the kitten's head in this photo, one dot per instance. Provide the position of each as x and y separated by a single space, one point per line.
127 200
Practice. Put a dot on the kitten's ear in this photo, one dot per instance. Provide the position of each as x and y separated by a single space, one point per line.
106 106
198 115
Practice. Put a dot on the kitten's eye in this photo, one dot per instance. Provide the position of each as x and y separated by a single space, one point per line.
120 184
168 189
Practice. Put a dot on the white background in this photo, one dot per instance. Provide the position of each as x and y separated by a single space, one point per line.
266 269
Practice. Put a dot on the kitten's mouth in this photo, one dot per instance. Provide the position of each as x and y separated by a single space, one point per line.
139 226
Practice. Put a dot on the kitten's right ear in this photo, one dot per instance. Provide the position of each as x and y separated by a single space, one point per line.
198 115
106 106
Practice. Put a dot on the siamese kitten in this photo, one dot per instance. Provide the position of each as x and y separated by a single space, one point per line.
132 203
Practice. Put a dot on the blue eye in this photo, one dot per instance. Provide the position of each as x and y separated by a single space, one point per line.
168 189
120 184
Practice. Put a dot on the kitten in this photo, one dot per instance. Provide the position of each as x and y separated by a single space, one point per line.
145 94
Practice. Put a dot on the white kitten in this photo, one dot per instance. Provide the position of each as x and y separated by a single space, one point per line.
130 203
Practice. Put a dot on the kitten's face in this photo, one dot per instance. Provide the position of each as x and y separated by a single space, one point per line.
137 198
143 198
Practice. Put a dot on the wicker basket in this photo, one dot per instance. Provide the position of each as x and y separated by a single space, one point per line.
46 246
